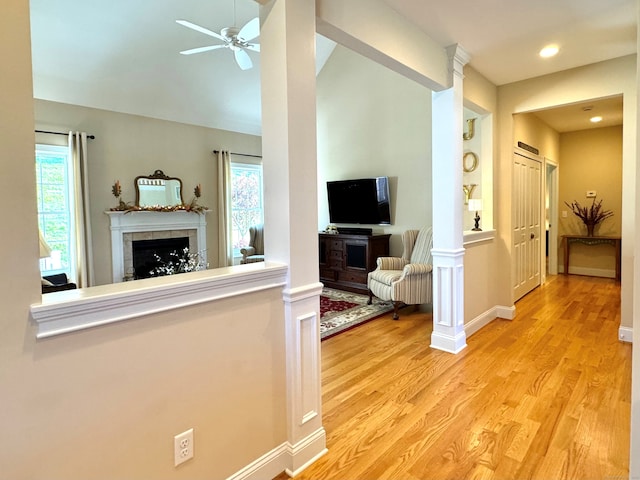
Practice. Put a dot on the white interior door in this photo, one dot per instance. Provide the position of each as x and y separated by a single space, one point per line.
527 224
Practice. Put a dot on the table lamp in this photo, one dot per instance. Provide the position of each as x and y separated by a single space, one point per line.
475 205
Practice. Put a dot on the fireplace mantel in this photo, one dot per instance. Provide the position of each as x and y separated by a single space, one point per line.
150 221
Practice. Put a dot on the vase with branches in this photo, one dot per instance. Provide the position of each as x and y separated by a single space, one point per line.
590 215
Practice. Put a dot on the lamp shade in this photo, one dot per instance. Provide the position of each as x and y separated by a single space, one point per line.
475 204
45 249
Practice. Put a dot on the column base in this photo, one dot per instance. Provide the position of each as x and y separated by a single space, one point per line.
447 343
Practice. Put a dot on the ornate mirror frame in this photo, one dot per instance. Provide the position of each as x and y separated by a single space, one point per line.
158 189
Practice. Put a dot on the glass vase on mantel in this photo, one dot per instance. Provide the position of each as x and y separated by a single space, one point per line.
590 227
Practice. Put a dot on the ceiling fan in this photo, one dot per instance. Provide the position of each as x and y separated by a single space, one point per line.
236 39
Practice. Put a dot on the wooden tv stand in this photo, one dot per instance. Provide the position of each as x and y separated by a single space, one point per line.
345 259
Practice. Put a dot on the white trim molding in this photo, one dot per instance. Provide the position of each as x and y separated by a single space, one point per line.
304 395
280 459
484 319
625 334
448 300
471 237
72 310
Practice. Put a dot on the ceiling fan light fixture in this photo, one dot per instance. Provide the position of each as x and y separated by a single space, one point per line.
549 51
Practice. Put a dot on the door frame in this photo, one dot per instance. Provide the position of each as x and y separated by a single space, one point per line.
552 172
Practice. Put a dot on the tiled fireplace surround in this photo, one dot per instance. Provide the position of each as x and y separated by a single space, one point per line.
132 226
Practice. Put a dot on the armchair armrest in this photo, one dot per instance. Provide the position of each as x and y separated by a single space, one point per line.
391 263
417 269
247 251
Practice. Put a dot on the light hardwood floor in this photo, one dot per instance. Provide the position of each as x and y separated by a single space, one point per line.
545 396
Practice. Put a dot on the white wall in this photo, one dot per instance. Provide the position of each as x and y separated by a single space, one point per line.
381 130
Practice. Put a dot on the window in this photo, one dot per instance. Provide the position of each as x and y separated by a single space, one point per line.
54 179
246 202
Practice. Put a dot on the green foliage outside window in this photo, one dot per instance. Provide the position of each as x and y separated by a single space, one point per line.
246 201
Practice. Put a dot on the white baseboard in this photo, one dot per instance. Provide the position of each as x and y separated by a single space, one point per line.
270 465
590 272
507 313
288 458
482 320
625 334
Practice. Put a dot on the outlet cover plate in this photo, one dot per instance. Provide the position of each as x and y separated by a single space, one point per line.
183 447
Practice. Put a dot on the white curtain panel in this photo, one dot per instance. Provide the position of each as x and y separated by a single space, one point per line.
225 254
84 250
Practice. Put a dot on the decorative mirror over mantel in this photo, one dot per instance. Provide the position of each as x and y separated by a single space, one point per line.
158 189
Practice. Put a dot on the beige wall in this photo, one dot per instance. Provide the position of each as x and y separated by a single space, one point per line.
591 160
130 145
481 291
531 130
115 396
381 130
605 79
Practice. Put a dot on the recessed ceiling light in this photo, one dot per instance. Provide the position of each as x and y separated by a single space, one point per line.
596 119
549 51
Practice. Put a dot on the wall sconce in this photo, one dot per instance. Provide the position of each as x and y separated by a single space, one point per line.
468 191
475 205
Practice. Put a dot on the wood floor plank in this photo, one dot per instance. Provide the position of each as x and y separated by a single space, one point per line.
544 396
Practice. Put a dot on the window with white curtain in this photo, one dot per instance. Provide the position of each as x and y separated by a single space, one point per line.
246 202
54 177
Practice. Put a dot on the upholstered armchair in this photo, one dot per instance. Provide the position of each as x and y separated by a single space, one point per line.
57 283
254 252
405 280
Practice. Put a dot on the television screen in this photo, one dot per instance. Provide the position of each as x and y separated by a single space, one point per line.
362 201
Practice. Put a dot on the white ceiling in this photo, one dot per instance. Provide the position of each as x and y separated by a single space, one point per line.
125 57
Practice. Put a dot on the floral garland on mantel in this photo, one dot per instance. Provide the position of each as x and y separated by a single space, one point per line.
126 207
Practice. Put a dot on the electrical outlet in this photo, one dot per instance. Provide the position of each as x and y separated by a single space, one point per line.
183 447
564 214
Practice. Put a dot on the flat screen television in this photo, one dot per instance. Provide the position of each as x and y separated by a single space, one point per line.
361 201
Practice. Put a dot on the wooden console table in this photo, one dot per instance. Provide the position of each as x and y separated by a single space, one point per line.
586 240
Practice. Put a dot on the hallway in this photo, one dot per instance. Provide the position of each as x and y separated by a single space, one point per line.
545 396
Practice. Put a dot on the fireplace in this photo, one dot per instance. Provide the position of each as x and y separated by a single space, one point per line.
129 228
150 254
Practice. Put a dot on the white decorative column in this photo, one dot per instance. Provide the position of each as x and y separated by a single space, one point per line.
448 251
287 57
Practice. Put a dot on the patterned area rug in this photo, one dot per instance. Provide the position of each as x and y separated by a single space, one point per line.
340 311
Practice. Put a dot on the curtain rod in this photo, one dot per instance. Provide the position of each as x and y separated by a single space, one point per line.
241 154
92 137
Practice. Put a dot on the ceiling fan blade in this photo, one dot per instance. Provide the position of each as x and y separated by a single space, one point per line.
243 60
250 31
254 47
200 29
201 49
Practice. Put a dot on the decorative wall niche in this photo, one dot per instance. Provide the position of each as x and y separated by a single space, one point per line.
477 167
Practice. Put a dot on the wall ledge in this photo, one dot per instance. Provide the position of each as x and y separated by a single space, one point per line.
73 310
471 237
